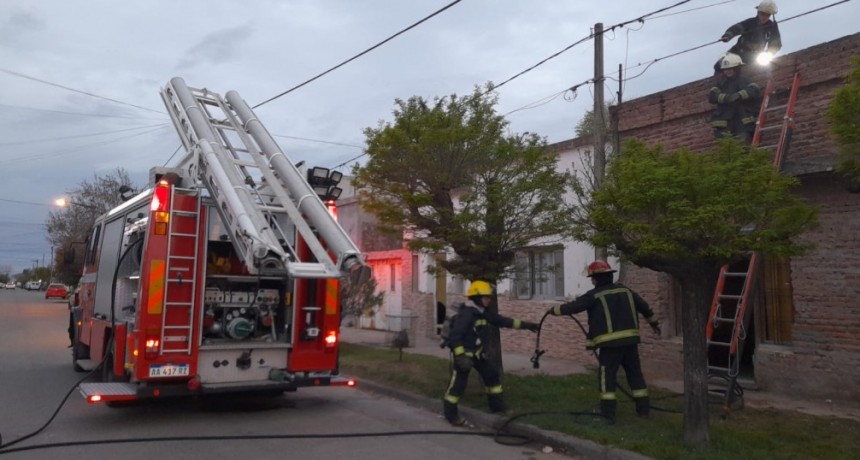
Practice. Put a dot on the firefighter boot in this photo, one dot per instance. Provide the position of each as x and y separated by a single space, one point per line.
607 410
452 414
496 403
643 407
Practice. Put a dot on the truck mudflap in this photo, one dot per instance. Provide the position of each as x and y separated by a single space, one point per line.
124 391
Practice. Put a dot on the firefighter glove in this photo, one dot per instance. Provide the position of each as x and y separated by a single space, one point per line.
463 362
534 327
726 37
732 98
655 326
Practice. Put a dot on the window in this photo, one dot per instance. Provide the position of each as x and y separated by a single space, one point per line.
539 273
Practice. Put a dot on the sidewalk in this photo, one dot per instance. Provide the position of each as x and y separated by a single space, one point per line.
520 363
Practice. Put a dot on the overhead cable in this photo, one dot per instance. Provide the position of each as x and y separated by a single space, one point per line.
28 77
359 54
588 37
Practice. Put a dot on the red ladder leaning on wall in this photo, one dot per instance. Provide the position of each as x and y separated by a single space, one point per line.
728 319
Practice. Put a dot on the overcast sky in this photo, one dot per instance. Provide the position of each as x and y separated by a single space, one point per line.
53 138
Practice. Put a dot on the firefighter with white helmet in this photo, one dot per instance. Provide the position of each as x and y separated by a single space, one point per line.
613 329
737 101
468 331
759 36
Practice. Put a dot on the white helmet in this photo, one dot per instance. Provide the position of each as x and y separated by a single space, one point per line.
767 6
730 61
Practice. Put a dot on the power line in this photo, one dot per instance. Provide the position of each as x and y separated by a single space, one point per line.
23 202
82 114
654 61
586 38
50 139
80 147
359 54
318 140
28 77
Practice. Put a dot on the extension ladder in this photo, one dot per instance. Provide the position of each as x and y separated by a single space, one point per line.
180 290
262 197
728 320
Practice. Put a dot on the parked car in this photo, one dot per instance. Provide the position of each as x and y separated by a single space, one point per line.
33 285
56 290
10 285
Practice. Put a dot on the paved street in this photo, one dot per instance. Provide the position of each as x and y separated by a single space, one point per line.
36 373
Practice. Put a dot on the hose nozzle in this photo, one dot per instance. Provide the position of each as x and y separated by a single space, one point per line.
535 359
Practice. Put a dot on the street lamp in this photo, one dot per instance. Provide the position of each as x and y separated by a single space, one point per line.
64 202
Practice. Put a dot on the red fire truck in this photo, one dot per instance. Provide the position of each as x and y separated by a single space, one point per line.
222 276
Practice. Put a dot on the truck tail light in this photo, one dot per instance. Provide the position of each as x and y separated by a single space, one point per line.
331 339
160 207
152 345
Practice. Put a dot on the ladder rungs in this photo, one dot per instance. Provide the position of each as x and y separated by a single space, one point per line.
185 213
189 235
735 274
722 344
766 147
775 108
769 128
181 258
721 369
730 296
720 319
177 304
175 338
183 350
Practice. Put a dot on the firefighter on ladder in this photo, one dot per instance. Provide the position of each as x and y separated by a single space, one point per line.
737 100
613 329
468 330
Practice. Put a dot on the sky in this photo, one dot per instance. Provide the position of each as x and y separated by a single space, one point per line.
81 79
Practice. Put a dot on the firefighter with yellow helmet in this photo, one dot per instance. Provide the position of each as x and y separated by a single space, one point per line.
467 334
613 329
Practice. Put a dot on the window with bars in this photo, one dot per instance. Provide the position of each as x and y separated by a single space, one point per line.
539 273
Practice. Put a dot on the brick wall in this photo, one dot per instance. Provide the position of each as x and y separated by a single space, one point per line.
823 359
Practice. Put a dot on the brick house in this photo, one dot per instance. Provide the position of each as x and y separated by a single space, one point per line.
805 337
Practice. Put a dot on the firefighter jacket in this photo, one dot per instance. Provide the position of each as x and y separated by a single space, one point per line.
738 101
612 315
469 329
755 38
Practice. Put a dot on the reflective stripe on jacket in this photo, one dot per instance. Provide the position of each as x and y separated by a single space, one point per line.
613 314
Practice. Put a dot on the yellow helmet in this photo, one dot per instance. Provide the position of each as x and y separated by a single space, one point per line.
479 288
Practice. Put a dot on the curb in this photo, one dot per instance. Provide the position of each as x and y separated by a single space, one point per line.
559 441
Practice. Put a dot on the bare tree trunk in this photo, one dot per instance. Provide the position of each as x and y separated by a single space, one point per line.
696 297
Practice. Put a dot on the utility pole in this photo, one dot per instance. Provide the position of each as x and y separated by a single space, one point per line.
599 120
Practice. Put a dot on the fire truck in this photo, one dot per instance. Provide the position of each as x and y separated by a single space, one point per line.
222 276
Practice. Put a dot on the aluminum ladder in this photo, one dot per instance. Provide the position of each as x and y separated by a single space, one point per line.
262 198
181 267
728 319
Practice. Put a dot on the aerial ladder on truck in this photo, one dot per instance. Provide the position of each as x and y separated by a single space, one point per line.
253 181
729 316
271 322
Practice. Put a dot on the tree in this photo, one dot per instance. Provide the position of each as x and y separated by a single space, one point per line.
446 173
359 298
844 116
688 214
69 227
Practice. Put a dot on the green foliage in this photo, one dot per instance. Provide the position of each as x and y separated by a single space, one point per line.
358 299
844 116
672 211
749 433
446 172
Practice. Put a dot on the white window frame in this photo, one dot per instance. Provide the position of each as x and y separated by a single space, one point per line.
539 273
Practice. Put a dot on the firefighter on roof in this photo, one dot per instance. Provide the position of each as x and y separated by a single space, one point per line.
613 328
468 329
757 35
737 101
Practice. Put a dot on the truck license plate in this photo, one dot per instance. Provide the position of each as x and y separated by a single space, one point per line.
168 370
